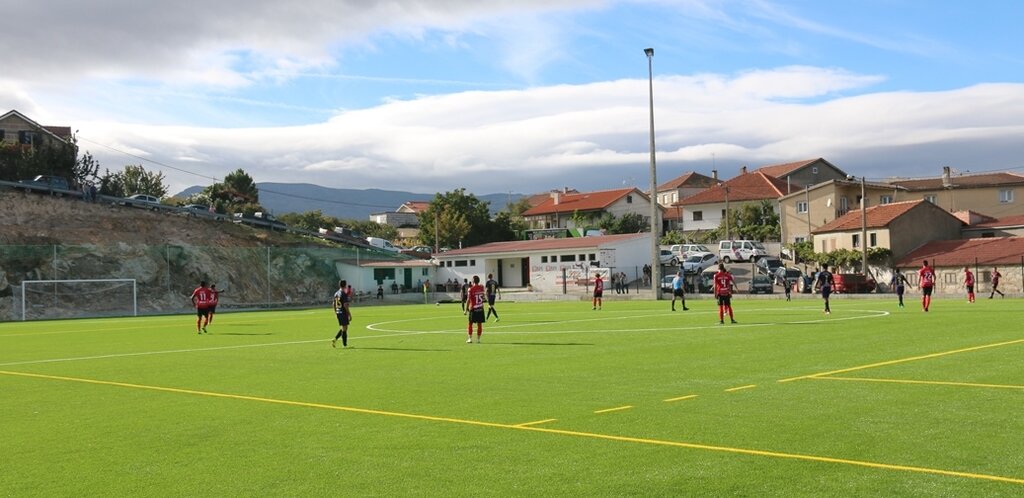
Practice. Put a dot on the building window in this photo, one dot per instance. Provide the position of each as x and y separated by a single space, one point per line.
381 274
801 207
930 198
698 215
987 235
856 240
460 263
675 196
872 239
844 204
950 278
592 257
472 262
568 258
885 199
1 135
824 246
629 199
543 259
723 214
799 240
1006 196
26 137
425 272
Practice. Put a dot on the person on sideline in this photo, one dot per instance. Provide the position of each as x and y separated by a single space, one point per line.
825 282
475 307
724 285
927 283
969 283
341 310
598 291
679 290
995 283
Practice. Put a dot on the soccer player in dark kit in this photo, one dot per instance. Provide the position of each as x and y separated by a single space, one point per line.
341 310
825 282
491 286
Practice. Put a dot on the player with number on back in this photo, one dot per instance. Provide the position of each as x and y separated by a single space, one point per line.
927 283
724 284
493 292
825 282
475 306
598 291
969 283
202 299
341 310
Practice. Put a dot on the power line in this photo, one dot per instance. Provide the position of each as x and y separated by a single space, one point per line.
200 175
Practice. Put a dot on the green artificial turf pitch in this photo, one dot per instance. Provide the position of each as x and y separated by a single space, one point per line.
558 400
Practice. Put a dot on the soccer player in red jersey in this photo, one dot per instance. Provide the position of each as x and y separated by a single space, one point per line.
475 306
216 299
598 291
995 283
969 283
927 276
724 284
201 299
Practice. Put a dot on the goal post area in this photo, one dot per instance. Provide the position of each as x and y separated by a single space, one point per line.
79 298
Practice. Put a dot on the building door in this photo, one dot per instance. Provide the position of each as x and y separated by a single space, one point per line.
524 267
408 278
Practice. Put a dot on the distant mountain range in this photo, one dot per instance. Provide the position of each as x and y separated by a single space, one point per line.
344 203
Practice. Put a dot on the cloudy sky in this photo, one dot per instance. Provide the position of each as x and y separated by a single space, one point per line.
524 95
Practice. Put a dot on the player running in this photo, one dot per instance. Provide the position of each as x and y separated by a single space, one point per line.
927 282
678 290
969 284
899 282
598 291
475 305
491 286
216 299
825 282
201 299
724 285
342 298
995 283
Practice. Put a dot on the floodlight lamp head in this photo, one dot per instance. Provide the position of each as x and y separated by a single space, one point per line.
649 52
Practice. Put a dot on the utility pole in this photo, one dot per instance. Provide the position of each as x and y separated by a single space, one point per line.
863 226
727 233
655 223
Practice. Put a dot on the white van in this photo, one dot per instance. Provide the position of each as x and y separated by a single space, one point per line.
381 244
740 250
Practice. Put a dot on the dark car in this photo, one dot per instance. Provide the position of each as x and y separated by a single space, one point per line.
47 182
787 276
768 265
852 283
761 284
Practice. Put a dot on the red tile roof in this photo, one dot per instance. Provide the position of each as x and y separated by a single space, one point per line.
587 201
64 132
781 170
987 251
1008 221
417 206
543 245
877 217
963 181
691 179
754 186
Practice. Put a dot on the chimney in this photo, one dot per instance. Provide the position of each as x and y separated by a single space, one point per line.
714 174
565 190
946 180
555 195
743 170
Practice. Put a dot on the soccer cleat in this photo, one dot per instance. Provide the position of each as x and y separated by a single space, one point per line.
470 340
204 330
686 309
334 343
673 309
721 322
733 321
496 318
478 340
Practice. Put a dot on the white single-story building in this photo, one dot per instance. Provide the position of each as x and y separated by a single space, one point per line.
548 264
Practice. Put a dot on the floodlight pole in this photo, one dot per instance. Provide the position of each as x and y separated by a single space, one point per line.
863 226
655 254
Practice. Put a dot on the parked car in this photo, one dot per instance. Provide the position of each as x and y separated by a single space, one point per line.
666 283
667 257
683 251
699 262
768 265
48 182
141 201
741 250
706 282
260 219
380 243
761 284
787 276
852 283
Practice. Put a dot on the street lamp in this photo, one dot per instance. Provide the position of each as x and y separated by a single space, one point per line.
655 253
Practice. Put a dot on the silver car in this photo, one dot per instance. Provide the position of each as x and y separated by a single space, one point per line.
699 262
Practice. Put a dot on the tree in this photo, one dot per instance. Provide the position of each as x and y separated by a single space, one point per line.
240 184
755 221
460 220
236 194
134 179
23 161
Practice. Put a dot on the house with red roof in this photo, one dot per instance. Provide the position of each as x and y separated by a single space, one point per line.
684 185
707 210
562 210
1008 226
405 219
799 174
899 226
982 256
17 129
814 206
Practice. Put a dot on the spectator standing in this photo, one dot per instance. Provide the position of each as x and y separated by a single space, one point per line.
995 283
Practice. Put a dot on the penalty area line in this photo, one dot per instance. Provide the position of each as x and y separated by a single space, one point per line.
530 428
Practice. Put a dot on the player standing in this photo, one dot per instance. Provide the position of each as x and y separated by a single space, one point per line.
598 291
724 284
201 299
899 282
927 276
465 294
678 290
341 309
216 299
825 282
491 286
475 305
995 283
969 283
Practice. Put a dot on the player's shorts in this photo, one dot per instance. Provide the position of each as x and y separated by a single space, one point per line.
490 299
476 316
995 284
725 300
825 292
900 289
970 289
927 291
597 295
213 309
202 312
344 318
678 292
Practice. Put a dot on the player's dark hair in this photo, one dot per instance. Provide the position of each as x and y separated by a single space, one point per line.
476 279
824 267
202 283
213 286
721 266
342 284
490 275
926 262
